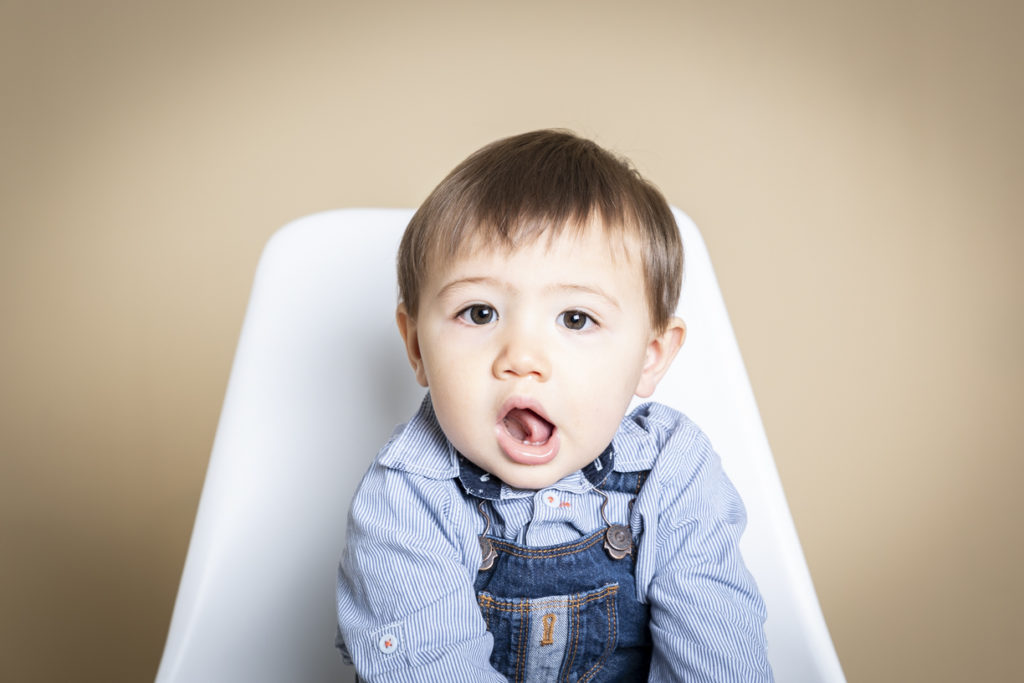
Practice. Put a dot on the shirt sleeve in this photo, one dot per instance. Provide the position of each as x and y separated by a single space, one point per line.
707 616
407 610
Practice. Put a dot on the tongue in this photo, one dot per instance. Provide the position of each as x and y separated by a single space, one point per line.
527 426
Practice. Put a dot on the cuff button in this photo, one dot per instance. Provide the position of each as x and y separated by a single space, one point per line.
388 643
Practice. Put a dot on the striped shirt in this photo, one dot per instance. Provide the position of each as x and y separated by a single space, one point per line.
407 610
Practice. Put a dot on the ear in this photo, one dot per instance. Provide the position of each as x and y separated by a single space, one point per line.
407 328
661 350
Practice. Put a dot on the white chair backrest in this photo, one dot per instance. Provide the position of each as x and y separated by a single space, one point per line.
319 382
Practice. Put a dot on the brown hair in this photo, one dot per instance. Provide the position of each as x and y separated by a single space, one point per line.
515 190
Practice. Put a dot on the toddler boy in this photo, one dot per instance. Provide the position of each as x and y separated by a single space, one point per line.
521 526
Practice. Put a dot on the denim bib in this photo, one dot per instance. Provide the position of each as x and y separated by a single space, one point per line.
566 612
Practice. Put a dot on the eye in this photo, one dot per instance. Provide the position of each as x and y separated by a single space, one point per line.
478 314
576 320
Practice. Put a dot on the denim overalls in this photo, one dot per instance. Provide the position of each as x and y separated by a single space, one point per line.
567 612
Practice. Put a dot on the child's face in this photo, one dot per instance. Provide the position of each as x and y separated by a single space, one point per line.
532 356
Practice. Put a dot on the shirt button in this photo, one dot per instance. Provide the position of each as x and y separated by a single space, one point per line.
387 643
551 499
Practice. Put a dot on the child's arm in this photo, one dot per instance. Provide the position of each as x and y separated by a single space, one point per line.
406 606
707 617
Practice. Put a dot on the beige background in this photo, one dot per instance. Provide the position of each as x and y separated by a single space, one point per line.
855 168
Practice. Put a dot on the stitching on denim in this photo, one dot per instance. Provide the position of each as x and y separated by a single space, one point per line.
493 603
542 553
613 628
524 634
570 654
570 644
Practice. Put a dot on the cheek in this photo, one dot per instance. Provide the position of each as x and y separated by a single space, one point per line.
614 368
601 390
457 408
450 366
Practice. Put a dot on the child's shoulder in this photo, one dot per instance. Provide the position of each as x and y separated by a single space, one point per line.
410 484
416 464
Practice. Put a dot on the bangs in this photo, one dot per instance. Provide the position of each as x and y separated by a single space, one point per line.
545 184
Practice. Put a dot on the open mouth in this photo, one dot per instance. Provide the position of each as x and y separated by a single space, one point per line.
525 435
527 426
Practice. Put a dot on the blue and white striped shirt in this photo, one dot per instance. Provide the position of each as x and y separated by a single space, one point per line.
407 610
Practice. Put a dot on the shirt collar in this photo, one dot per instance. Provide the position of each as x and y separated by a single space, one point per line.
420 447
639 437
477 482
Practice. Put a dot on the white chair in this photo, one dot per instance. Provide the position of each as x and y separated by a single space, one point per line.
319 381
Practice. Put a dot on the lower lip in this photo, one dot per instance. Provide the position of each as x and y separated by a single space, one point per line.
527 454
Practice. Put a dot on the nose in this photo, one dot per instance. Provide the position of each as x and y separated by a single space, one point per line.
522 354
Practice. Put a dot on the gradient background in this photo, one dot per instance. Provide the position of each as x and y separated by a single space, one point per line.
855 167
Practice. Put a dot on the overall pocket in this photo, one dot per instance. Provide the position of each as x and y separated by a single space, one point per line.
554 638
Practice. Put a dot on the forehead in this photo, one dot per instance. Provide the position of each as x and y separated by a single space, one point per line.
589 256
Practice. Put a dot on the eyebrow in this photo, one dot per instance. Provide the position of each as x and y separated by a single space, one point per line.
463 281
558 286
586 289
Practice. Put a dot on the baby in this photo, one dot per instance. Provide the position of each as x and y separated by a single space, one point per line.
521 526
